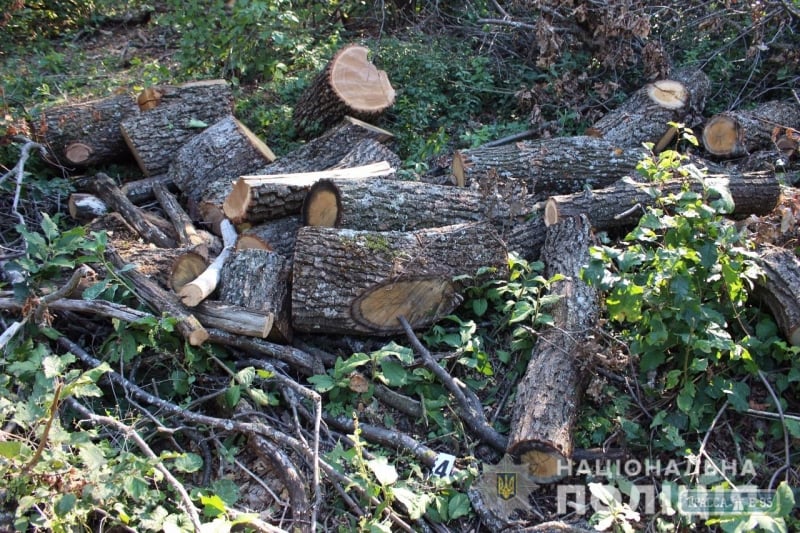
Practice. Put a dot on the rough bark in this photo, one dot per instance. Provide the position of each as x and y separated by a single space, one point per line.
622 203
528 236
84 206
645 114
257 198
141 191
778 290
205 168
87 133
155 135
358 282
184 227
348 86
260 280
327 150
548 395
234 319
157 263
396 205
738 133
277 235
529 171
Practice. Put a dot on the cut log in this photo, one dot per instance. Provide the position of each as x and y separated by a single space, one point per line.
155 263
155 136
277 235
141 191
527 237
358 282
260 280
104 187
203 285
738 133
548 395
621 204
84 206
348 86
187 267
87 133
329 149
395 205
257 198
206 166
645 114
184 228
234 319
778 289
368 151
529 171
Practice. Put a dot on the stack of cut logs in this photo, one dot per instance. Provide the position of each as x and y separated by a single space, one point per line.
327 239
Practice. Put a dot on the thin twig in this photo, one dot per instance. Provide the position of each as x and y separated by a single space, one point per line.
787 465
19 169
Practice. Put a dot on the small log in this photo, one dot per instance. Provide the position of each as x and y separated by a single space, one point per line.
184 228
187 267
156 263
87 133
739 133
156 135
203 285
205 167
548 395
257 198
84 206
329 149
277 235
395 205
141 191
778 289
359 282
528 171
259 280
348 86
621 204
104 187
234 319
645 114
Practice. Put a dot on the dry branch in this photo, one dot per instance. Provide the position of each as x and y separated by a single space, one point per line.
201 287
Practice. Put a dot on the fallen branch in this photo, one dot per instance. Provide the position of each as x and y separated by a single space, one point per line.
201 288
18 171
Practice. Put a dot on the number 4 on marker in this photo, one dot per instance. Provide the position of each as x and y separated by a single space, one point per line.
443 465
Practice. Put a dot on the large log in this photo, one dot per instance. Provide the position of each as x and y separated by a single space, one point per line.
528 171
548 395
205 167
645 114
277 235
396 205
348 86
180 113
358 282
87 133
778 289
741 132
621 204
327 150
260 280
257 198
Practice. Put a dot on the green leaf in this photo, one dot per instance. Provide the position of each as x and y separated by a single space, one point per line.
246 376
394 374
685 398
346 367
188 462
195 123
13 449
135 487
458 506
213 505
322 382
385 473
233 395
227 490
479 306
738 396
65 504
261 398
49 227
415 502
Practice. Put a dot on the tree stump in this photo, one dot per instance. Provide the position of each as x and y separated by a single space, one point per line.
528 171
259 280
329 149
205 167
358 282
180 113
549 393
738 133
645 115
86 134
257 198
622 203
349 85
778 290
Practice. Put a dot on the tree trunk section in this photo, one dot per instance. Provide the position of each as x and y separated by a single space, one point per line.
739 133
276 235
205 168
86 134
349 85
528 171
778 290
257 198
549 393
260 280
329 149
623 203
141 191
645 115
157 134
84 206
359 282
234 319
